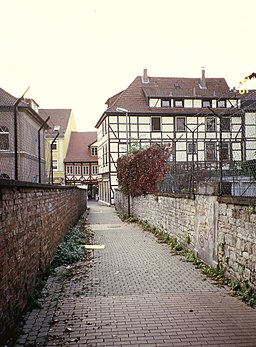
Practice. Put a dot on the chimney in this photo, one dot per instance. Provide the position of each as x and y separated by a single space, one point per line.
202 80
145 78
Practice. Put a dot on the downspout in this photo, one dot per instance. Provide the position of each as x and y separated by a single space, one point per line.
16 135
39 149
51 156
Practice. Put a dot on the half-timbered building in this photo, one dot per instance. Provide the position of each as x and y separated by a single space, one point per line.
81 162
191 114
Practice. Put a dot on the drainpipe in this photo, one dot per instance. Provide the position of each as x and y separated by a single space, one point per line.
16 135
39 149
51 156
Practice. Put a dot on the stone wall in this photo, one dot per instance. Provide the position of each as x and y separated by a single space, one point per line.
33 221
221 230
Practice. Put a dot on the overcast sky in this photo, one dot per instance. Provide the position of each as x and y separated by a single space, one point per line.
78 53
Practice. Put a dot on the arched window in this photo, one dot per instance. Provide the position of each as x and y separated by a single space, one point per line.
4 138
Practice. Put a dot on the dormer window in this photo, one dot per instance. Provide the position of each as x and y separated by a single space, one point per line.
206 103
56 128
94 151
165 103
178 103
221 103
177 85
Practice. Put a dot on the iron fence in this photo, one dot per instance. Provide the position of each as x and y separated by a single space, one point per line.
236 178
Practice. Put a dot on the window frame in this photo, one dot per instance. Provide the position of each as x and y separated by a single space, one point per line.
214 151
55 164
69 169
208 101
167 101
219 101
177 124
85 170
192 150
175 101
159 128
94 172
56 145
5 133
93 150
225 150
223 127
207 126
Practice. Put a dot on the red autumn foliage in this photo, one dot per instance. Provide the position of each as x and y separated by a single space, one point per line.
140 173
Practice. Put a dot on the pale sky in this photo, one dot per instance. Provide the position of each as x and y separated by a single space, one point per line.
78 53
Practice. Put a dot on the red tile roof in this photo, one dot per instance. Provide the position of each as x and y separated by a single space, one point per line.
79 149
57 117
134 98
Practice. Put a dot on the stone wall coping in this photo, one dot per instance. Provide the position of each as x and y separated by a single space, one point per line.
5 183
237 200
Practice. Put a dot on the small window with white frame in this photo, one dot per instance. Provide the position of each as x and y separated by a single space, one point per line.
178 103
95 169
77 170
165 103
55 164
94 151
69 170
85 170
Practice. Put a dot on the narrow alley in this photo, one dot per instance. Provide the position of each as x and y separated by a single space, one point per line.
136 292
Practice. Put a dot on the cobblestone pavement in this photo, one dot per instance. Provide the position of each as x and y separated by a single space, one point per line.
136 292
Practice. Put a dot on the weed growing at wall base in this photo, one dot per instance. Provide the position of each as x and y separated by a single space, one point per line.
241 289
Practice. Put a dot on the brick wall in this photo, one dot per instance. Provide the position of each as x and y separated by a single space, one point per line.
33 221
220 229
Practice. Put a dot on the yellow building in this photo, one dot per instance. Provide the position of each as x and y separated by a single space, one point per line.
62 122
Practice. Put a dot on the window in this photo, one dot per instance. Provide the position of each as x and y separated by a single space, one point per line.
77 170
178 103
180 123
85 170
165 103
210 124
210 151
105 155
154 102
94 151
191 148
4 138
206 103
94 169
56 128
225 153
221 103
156 124
54 146
69 170
225 124
55 164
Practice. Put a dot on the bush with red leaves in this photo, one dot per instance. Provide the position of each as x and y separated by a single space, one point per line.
140 173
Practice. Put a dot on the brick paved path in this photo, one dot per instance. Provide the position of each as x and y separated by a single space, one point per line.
137 293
